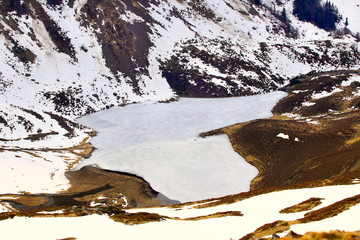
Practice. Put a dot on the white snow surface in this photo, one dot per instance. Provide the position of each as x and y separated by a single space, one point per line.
351 79
257 211
160 143
34 171
324 94
349 9
283 136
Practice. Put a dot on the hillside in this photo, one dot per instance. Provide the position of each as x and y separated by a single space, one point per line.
313 134
76 57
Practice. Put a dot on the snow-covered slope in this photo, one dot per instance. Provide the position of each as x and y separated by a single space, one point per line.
233 217
76 57
350 9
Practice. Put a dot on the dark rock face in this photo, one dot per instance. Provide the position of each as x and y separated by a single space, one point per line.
36 10
188 80
125 45
54 3
62 42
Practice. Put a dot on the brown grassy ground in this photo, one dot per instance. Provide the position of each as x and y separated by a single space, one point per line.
324 141
333 235
137 191
93 185
303 206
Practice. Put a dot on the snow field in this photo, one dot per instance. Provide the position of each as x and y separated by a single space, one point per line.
349 9
34 171
257 210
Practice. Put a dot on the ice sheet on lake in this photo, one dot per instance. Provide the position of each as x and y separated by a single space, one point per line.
159 141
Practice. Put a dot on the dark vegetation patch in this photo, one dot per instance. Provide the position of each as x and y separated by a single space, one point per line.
190 82
174 12
67 101
71 3
26 123
23 54
214 215
54 3
188 79
3 121
40 136
256 2
200 7
137 218
35 114
324 16
13 5
66 124
303 206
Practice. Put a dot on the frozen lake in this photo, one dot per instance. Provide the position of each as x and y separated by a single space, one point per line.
159 142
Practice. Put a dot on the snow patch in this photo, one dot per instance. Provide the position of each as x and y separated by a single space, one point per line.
52 212
308 104
284 136
350 80
324 94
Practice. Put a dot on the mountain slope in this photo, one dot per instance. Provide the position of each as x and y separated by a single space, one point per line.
313 134
76 57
